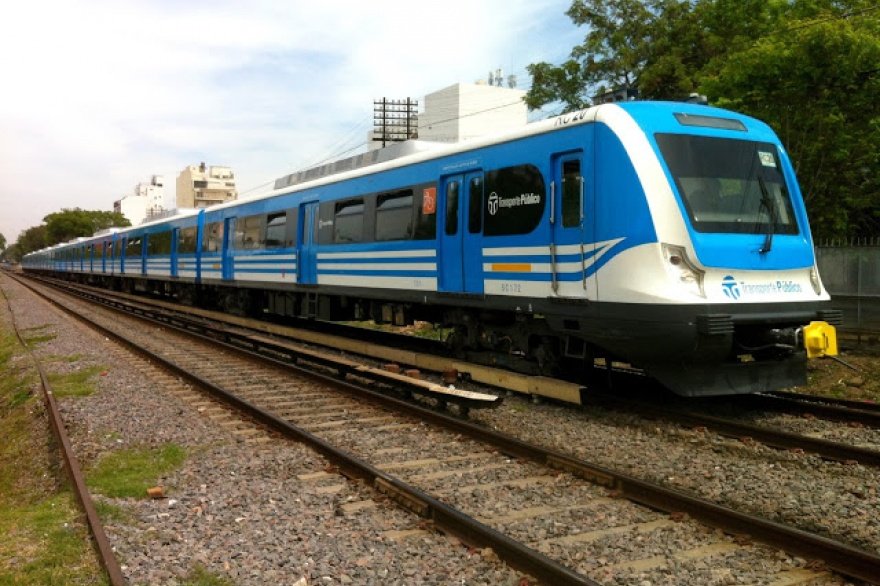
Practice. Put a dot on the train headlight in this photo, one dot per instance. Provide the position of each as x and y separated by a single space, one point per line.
683 270
814 280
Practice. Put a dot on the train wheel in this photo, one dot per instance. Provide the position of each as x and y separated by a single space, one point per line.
546 351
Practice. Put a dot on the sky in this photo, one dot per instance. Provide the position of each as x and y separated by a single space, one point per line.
98 96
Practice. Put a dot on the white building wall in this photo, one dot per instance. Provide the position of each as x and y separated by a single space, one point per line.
133 207
467 110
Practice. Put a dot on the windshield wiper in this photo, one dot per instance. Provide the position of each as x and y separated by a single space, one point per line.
767 202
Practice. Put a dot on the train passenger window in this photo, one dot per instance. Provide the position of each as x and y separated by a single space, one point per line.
394 216
426 213
572 187
348 221
452 208
516 200
133 248
248 232
212 239
475 205
159 243
186 240
276 229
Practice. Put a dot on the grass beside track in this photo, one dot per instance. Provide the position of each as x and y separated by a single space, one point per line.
43 536
130 472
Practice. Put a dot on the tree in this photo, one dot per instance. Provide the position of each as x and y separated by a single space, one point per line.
817 86
663 49
2 242
68 224
807 67
32 239
652 46
12 252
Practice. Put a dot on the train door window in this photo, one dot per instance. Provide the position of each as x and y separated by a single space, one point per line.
276 230
516 200
475 205
159 243
348 221
572 182
394 216
292 225
212 239
452 189
323 223
186 240
248 232
426 213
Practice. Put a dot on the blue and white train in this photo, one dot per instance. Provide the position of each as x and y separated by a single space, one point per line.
669 236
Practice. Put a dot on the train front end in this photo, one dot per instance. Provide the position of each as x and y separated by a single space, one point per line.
736 304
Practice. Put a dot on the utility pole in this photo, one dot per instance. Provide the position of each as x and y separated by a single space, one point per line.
395 120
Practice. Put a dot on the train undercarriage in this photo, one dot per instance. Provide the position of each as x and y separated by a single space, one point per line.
691 351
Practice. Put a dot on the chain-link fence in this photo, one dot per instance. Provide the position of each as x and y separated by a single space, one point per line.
851 273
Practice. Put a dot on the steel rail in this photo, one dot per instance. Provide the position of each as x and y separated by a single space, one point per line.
840 410
102 544
242 339
771 437
843 558
850 403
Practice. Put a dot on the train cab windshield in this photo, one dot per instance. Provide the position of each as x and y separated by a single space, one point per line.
728 185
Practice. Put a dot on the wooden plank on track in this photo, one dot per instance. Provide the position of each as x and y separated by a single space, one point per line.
590 536
555 389
493 376
799 576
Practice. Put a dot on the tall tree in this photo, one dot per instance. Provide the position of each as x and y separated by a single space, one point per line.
11 252
664 48
32 239
2 242
817 86
807 67
67 224
644 45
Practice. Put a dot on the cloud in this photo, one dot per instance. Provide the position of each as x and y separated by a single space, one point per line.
100 94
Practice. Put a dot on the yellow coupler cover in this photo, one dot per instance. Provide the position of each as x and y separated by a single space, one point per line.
820 339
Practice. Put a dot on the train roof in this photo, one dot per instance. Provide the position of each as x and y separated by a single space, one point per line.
650 116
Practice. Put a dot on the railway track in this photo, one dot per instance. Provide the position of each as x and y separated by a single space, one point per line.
683 412
689 416
102 545
532 469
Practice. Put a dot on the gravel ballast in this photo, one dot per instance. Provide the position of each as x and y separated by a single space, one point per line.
260 511
254 512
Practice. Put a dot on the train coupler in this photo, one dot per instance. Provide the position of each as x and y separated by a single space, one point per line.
820 339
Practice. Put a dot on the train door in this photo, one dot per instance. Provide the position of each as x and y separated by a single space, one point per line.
461 234
123 261
306 241
228 259
571 223
172 260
